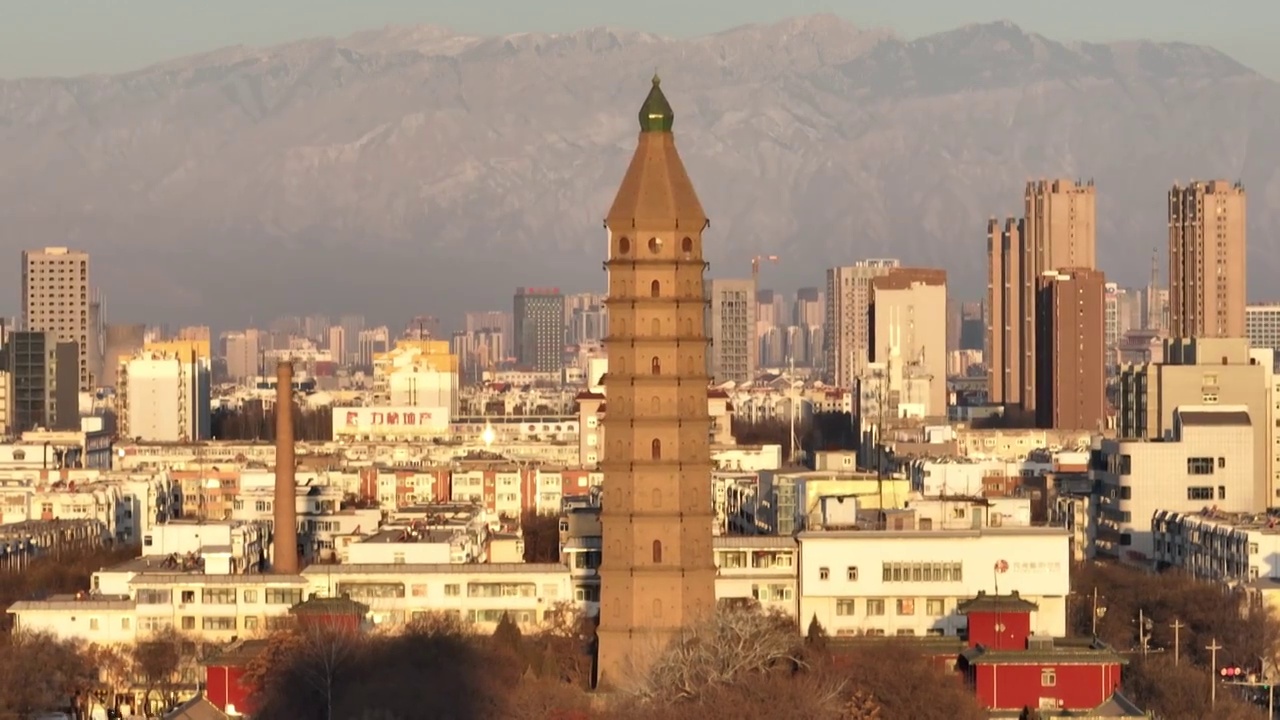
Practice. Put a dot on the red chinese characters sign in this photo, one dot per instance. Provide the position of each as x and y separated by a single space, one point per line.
389 419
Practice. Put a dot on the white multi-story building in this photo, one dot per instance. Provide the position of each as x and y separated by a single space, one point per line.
760 568
1227 548
1207 464
908 582
164 397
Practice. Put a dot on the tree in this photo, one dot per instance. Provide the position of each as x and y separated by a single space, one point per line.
507 635
816 637
158 663
40 673
902 681
541 533
1182 691
732 649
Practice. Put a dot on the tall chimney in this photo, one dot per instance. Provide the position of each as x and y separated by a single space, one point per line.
285 547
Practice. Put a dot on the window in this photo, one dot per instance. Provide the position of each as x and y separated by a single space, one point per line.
1200 466
1199 493
93 623
905 632
624 246
124 623
1222 492
250 596
147 596
686 245
1048 677
824 573
845 607
655 289
218 623
188 596
188 623
657 552
1253 548
851 573
1222 462
655 366
896 572
283 596
733 559
251 623
654 244
875 606
655 449
935 606
906 606
218 596
452 590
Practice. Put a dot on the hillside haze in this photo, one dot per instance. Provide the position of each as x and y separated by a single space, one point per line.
412 170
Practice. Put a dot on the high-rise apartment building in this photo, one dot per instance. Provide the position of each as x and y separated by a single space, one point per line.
1070 344
1262 326
1057 231
44 376
908 323
847 332
657 571
55 298
538 319
244 354
371 342
1207 259
732 312
804 345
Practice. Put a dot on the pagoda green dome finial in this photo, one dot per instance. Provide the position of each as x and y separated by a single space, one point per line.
655 113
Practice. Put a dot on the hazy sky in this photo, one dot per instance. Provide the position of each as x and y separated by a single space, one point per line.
68 37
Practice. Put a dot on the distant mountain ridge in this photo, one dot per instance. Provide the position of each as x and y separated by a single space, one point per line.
410 170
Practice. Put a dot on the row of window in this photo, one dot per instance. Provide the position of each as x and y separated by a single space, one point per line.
874 607
220 596
906 572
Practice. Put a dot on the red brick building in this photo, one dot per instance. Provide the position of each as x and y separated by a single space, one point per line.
1010 669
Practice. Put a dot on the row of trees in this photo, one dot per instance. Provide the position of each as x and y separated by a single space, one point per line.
41 673
69 572
741 664
1175 617
253 422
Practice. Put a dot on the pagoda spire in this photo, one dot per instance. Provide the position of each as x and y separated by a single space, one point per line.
655 113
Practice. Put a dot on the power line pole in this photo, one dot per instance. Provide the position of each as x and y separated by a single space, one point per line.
1177 625
1213 649
1094 619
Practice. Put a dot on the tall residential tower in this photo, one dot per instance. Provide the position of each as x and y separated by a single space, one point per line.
1207 260
55 299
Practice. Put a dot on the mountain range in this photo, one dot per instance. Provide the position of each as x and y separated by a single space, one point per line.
415 170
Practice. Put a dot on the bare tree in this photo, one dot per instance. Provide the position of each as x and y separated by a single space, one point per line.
1179 692
731 646
38 673
158 664
541 534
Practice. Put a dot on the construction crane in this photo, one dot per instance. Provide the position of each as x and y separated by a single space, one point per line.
755 266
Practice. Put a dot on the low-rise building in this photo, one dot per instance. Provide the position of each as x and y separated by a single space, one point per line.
1206 464
1228 548
909 582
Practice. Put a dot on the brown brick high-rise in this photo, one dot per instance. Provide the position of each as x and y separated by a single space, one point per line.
1207 260
657 572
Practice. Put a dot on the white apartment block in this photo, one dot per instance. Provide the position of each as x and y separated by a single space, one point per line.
909 582
1207 464
55 299
164 397
1227 548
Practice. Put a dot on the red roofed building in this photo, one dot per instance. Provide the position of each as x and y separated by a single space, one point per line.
1009 669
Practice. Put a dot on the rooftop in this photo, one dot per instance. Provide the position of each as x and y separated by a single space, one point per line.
436 569
996 603
1004 531
1209 418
